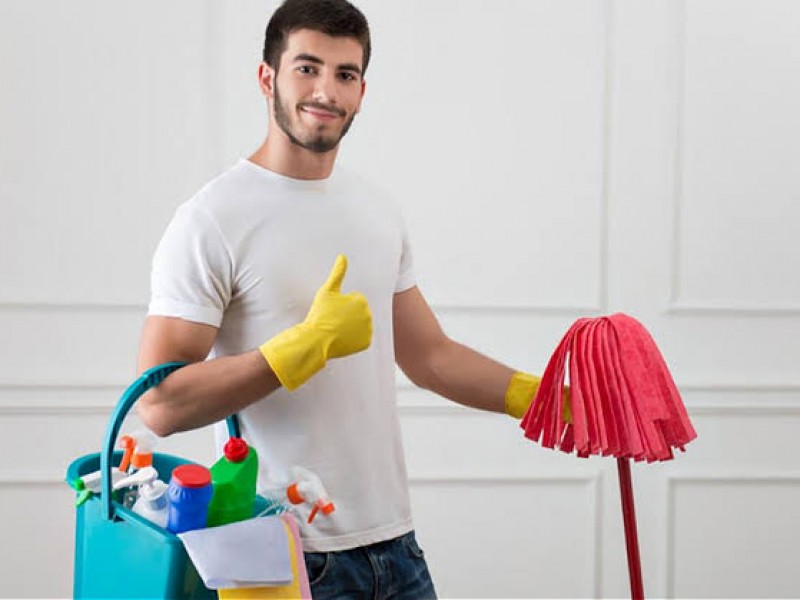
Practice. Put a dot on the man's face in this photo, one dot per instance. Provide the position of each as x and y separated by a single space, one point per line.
318 89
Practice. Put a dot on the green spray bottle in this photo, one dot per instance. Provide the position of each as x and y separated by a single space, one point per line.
233 478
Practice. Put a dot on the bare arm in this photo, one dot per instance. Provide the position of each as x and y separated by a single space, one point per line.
202 392
434 361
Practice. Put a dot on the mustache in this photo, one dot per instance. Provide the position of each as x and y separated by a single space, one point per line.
326 107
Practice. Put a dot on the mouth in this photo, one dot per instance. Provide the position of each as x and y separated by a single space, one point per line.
322 114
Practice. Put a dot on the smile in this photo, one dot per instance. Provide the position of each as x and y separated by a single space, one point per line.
318 113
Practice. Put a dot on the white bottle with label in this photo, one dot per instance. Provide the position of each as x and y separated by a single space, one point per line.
152 502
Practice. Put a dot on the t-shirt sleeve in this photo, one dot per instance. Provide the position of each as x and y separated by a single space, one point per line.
406 278
191 276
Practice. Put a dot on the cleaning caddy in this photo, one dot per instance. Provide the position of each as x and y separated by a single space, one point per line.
128 545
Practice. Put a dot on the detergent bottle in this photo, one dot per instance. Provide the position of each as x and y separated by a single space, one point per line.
188 495
233 478
152 498
152 503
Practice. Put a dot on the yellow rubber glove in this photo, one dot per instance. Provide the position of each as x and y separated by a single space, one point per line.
336 325
520 392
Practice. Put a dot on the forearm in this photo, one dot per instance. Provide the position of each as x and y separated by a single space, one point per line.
205 392
463 375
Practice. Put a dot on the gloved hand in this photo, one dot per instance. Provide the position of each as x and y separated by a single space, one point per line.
336 325
520 392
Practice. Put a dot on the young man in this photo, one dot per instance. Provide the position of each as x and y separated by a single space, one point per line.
236 293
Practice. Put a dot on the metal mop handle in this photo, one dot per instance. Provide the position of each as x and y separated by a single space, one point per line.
631 537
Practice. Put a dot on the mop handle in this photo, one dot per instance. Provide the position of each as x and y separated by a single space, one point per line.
631 538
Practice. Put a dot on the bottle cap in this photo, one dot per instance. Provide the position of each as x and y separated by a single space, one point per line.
236 449
191 476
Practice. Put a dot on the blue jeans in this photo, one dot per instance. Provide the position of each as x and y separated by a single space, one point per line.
394 569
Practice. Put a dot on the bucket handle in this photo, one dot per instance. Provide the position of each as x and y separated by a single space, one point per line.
149 379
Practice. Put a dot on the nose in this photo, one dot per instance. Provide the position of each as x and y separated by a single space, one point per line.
325 89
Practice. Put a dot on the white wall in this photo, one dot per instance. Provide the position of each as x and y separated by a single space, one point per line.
555 159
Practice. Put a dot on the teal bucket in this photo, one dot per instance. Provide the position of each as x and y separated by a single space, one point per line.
127 555
119 554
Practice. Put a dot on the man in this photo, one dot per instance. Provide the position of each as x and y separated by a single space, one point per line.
236 293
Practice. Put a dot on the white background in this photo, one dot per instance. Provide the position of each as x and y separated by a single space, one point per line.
554 160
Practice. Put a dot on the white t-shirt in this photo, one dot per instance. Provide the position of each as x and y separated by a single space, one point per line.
247 254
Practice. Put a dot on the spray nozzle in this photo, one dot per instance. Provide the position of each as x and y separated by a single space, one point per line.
308 488
143 477
143 453
128 444
89 484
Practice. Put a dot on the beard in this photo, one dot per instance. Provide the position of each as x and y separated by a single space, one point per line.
316 141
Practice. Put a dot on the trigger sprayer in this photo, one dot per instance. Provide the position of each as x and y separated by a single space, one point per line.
152 500
89 484
308 488
143 442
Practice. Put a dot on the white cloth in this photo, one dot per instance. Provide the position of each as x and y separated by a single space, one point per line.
251 553
247 254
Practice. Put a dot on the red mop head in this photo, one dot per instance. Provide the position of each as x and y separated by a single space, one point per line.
624 402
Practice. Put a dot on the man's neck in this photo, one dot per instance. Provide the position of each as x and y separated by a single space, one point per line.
280 155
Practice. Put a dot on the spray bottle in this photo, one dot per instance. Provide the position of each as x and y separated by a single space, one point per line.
91 483
152 498
307 488
234 479
143 454
141 457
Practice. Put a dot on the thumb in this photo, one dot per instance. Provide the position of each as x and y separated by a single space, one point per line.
334 281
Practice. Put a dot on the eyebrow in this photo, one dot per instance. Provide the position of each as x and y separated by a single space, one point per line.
302 57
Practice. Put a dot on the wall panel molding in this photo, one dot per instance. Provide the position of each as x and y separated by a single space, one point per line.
744 311
677 306
20 398
593 484
718 476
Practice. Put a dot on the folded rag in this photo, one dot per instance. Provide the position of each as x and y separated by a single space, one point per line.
250 553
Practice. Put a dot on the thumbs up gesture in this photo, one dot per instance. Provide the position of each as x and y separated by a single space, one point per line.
336 325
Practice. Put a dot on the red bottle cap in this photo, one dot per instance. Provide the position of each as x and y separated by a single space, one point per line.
236 449
191 476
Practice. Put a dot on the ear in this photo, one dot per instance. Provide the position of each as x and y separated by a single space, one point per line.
266 80
361 99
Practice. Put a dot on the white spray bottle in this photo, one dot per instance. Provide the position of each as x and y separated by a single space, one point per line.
152 499
308 488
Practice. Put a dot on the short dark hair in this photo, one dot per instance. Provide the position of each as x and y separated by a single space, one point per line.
337 18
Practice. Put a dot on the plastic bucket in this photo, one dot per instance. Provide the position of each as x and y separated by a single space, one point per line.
117 552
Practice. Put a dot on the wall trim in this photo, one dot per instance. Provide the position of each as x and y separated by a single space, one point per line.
672 480
22 398
593 483
676 306
733 310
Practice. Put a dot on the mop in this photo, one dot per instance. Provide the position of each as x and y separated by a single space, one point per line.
623 403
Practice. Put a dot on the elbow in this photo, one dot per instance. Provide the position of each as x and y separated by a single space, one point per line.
156 415
425 369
